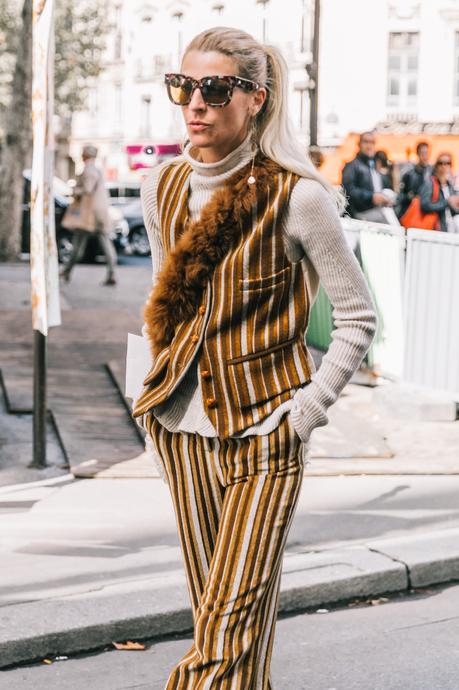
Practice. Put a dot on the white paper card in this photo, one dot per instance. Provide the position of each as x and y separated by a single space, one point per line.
138 364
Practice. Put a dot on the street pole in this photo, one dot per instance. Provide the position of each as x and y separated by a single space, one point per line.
313 71
178 15
39 399
44 269
264 3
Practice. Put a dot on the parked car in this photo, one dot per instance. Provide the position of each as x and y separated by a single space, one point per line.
122 193
125 196
138 238
62 198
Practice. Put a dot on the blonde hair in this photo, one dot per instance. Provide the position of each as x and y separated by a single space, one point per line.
265 65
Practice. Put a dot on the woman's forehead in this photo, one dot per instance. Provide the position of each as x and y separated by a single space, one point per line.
199 63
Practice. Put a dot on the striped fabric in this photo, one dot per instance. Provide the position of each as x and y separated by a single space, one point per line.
251 322
234 501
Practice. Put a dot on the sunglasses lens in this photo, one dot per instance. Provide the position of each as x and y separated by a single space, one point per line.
216 92
179 90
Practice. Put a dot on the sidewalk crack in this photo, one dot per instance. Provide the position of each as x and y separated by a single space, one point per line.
396 560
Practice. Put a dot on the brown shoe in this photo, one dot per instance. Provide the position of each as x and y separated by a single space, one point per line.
64 275
110 281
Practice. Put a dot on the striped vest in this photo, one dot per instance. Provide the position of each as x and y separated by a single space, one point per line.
249 329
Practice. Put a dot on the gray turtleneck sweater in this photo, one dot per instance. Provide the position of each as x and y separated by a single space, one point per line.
313 234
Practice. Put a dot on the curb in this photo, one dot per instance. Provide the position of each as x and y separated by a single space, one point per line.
160 606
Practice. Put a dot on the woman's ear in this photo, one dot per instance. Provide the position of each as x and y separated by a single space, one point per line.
258 101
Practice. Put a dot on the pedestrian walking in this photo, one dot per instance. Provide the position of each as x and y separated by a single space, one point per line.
369 190
438 195
413 179
89 215
242 228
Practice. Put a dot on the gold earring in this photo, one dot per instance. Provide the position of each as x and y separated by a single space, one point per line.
251 179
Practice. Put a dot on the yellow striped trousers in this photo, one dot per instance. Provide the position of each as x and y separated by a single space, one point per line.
234 501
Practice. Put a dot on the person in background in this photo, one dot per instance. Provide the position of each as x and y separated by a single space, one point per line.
91 182
413 179
365 185
316 156
447 205
385 168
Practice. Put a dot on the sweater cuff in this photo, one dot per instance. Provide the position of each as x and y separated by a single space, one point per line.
306 415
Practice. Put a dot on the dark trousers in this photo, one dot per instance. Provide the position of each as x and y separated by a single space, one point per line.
80 240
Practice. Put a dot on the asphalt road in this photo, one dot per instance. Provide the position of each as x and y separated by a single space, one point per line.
408 642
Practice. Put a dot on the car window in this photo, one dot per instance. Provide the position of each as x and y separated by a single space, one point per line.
132 192
124 192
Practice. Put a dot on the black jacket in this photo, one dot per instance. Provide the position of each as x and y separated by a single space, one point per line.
358 184
440 206
410 184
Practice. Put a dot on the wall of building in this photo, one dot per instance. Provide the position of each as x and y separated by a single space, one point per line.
128 103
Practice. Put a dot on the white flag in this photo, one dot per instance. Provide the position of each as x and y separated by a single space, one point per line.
43 251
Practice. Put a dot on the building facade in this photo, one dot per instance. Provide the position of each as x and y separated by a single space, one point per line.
394 62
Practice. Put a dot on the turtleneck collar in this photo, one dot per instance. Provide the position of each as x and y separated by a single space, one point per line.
231 163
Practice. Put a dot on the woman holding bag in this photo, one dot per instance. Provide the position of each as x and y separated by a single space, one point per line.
242 228
438 196
88 215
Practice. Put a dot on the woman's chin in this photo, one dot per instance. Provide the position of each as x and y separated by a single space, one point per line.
200 139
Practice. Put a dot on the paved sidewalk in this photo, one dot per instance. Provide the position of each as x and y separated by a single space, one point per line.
88 561
85 562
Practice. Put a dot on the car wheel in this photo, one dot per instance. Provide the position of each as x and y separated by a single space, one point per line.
139 241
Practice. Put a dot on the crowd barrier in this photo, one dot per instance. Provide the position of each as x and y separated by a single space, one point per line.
414 279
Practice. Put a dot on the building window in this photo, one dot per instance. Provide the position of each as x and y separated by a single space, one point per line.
118 105
145 124
402 69
456 70
159 65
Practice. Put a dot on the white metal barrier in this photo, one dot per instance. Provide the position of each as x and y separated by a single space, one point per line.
431 356
414 279
382 254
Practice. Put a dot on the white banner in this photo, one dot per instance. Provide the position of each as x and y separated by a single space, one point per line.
43 251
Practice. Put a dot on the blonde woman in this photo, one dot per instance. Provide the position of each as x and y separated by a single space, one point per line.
242 228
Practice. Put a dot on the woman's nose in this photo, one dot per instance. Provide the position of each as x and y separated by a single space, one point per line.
197 102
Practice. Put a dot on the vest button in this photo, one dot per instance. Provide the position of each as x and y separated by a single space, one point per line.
211 402
205 373
202 309
194 338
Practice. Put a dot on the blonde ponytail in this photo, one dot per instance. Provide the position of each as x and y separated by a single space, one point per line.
276 132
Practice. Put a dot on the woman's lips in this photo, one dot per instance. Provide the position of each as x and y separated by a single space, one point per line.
197 126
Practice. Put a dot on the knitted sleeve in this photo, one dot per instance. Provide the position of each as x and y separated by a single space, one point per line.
313 223
148 194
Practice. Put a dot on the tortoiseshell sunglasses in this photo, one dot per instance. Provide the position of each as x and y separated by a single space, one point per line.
216 91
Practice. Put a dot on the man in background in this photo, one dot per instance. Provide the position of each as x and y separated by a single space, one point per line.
413 179
367 189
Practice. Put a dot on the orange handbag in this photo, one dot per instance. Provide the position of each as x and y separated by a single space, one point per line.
414 217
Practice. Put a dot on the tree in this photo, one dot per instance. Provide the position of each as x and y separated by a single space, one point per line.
17 140
9 20
80 30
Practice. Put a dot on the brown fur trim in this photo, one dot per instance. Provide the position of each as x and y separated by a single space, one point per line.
191 263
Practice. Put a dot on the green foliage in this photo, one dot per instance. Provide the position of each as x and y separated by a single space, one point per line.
9 24
80 29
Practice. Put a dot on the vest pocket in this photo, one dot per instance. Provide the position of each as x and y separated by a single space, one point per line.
259 378
265 282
